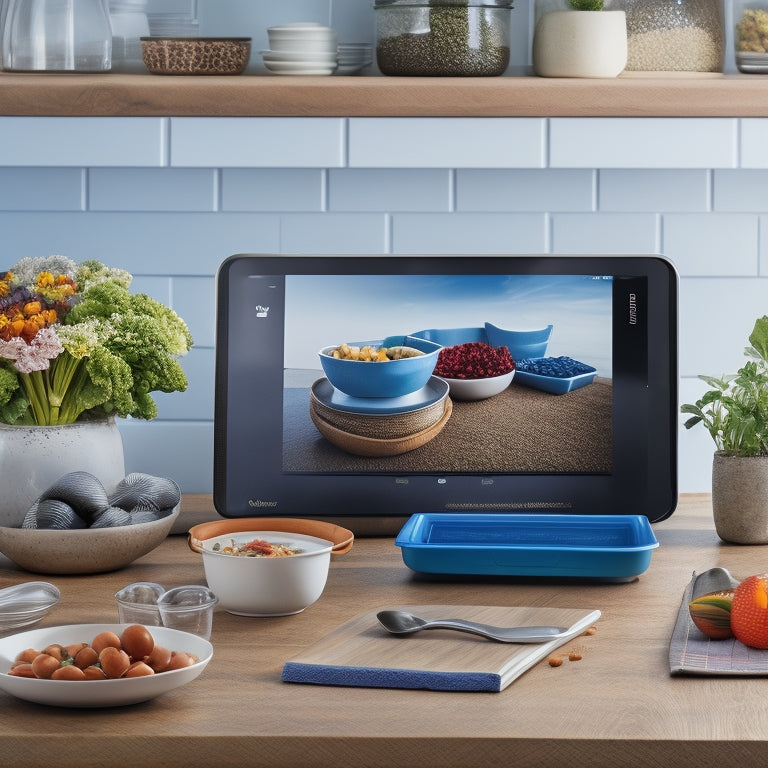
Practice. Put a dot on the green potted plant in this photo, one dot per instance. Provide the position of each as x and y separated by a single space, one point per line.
735 413
579 38
77 349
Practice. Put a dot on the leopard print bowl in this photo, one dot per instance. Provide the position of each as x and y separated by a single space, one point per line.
196 55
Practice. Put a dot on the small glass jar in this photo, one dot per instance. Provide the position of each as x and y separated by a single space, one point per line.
465 38
750 39
674 35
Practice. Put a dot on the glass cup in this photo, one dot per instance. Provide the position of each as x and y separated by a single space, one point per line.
56 35
137 603
189 609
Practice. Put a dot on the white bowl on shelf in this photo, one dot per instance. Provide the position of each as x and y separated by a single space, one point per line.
299 56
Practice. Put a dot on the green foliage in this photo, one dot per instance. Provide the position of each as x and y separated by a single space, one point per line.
735 410
587 5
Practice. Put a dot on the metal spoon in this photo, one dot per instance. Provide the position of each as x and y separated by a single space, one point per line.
401 622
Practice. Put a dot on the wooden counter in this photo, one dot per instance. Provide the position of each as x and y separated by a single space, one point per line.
617 706
109 94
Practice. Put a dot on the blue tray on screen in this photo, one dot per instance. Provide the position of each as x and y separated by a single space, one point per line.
615 547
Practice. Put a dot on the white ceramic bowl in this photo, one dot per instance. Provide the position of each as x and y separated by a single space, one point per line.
479 389
97 693
84 550
268 586
300 56
298 45
299 68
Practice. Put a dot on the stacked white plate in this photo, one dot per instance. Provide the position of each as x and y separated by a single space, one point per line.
353 57
304 48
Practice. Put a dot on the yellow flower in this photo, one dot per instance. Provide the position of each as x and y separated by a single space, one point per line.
44 280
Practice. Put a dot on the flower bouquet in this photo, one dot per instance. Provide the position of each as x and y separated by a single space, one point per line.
76 345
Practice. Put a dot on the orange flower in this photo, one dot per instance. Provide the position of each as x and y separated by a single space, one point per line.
32 308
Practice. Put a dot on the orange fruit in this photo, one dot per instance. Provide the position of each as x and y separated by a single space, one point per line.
749 611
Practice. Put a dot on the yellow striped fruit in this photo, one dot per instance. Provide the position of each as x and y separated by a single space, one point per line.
712 614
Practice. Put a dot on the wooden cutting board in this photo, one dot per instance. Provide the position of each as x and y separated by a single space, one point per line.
362 653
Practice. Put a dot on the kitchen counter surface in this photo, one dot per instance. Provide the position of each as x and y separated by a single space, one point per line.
112 94
618 705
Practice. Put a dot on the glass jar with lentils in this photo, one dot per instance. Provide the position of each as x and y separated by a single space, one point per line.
466 38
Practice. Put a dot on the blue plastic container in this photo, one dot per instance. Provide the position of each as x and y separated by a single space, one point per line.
613 547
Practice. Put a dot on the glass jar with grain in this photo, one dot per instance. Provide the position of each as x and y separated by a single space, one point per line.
465 38
673 35
750 39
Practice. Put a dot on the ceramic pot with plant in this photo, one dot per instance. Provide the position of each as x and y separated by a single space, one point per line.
77 349
735 413
578 38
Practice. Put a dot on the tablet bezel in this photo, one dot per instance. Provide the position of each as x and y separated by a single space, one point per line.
248 480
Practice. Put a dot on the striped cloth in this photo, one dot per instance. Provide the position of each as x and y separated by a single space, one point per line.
691 652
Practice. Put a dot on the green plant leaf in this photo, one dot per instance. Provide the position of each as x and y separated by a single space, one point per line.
587 5
759 337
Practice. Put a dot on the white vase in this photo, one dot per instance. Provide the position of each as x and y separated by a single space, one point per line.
740 498
580 44
33 458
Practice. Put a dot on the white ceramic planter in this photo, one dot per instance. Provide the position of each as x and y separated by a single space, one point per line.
33 458
580 44
740 498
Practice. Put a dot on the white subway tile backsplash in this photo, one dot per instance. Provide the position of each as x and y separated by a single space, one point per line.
257 142
194 299
182 451
525 190
170 199
653 190
389 189
712 244
716 317
333 233
754 142
740 190
606 142
151 189
272 189
604 233
83 141
196 402
434 142
42 189
142 243
469 233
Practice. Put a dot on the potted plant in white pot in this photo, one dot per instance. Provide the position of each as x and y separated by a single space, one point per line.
579 38
735 413
77 349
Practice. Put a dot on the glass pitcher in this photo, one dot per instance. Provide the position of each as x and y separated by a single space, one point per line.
56 35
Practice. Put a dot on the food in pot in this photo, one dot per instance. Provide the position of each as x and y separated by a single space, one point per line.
256 548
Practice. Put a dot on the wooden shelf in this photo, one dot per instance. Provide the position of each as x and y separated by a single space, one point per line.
653 95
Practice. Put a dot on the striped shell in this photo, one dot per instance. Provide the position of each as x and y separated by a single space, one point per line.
81 491
111 517
146 492
54 515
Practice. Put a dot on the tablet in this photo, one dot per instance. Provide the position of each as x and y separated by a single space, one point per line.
583 420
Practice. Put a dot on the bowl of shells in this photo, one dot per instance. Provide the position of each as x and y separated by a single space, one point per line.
75 527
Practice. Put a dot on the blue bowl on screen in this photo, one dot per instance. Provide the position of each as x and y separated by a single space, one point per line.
393 378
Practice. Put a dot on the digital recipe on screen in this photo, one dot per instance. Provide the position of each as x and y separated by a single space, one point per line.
381 386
